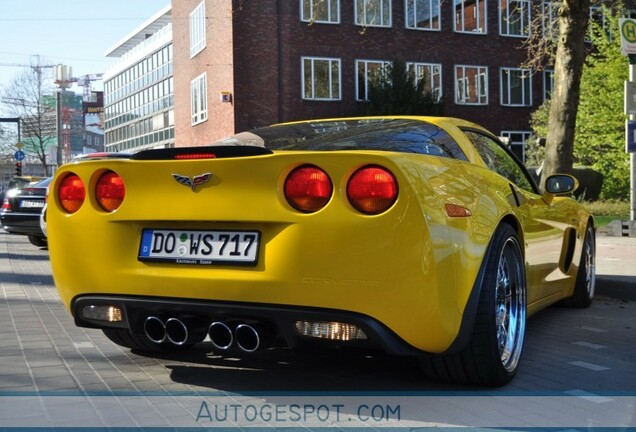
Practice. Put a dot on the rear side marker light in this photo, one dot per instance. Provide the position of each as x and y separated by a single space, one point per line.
372 190
454 210
110 191
308 188
71 193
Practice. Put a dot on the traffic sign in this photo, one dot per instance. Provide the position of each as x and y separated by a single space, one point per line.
628 35
19 155
630 134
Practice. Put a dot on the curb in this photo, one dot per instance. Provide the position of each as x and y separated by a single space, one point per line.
617 287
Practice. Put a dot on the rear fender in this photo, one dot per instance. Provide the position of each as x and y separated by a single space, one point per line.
470 311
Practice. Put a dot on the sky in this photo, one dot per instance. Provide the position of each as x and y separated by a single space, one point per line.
75 33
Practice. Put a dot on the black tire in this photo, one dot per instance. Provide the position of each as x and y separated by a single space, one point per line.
491 357
139 342
38 241
585 284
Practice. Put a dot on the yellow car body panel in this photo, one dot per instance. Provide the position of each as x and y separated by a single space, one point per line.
412 268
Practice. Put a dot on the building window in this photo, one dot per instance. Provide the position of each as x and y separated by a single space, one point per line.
320 11
431 75
373 13
516 141
548 84
597 22
549 16
514 17
471 85
197 29
516 87
470 16
423 14
321 78
199 94
369 71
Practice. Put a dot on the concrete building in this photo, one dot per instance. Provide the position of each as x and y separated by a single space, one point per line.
139 90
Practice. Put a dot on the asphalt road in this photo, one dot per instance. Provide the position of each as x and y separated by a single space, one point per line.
577 371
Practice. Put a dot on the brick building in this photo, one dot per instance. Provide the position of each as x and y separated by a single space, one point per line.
245 64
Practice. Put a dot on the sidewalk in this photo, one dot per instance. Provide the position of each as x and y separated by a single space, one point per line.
616 267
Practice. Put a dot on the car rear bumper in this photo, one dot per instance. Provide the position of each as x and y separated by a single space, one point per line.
273 322
22 223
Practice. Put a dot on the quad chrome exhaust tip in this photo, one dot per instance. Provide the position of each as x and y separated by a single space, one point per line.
172 330
155 329
221 335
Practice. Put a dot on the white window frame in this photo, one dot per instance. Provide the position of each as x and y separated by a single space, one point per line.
463 85
308 10
550 26
411 8
199 98
338 77
364 20
507 81
434 74
197 30
506 20
548 84
383 64
461 17
594 9
525 137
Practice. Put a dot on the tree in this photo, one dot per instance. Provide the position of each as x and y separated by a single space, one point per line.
572 18
600 128
568 67
26 97
8 139
394 91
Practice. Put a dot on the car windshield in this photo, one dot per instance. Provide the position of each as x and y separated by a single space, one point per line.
400 135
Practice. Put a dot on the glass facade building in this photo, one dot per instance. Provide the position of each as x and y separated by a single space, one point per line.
139 89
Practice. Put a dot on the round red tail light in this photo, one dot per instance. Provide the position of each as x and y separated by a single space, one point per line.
372 190
110 191
71 193
308 188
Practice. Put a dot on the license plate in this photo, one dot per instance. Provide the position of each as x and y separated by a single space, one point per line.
199 247
31 204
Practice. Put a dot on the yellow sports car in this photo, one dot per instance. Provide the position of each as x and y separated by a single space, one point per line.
420 236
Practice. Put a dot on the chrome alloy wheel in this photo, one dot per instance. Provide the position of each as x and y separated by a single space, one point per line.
510 305
589 263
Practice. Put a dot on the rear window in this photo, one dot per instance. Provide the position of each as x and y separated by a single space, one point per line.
402 135
20 182
43 183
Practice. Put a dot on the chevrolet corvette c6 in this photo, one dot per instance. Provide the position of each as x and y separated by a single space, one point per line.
418 236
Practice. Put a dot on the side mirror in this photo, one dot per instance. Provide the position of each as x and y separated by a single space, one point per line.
559 184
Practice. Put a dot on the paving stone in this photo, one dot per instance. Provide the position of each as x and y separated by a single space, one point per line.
41 350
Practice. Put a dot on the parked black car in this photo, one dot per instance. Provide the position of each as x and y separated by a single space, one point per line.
21 210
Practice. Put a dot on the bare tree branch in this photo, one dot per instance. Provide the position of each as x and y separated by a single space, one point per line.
30 97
